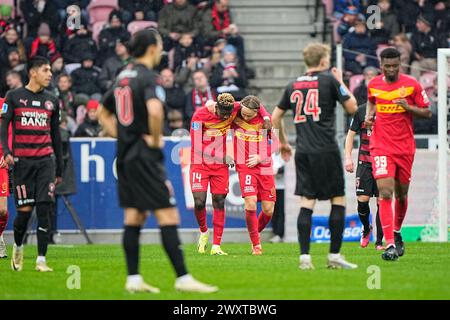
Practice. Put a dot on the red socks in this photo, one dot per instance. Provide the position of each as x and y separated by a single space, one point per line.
3 222
218 223
400 213
201 219
252 226
386 217
263 220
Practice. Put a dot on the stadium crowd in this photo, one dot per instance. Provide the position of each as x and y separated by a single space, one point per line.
417 28
203 52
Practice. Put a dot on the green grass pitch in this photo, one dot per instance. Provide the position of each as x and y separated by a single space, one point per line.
423 273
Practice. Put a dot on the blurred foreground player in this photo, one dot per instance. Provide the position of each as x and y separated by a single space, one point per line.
393 99
4 194
366 186
135 100
34 114
320 176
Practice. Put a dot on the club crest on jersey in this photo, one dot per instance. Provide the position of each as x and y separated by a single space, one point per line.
402 92
48 105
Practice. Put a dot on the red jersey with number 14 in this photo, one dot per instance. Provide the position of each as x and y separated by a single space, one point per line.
393 132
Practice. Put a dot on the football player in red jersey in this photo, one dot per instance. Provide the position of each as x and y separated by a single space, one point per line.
394 98
209 129
253 158
4 192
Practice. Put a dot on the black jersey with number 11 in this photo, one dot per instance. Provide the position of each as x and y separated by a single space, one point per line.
312 98
127 99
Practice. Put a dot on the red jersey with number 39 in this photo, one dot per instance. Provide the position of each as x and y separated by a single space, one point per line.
393 127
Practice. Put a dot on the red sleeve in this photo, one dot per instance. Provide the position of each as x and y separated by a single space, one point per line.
264 113
237 106
420 96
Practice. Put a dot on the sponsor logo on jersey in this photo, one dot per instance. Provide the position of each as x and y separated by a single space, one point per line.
248 137
23 101
4 108
216 132
248 189
48 105
343 90
195 125
390 108
34 118
36 103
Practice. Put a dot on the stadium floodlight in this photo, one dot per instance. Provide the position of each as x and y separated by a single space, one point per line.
443 71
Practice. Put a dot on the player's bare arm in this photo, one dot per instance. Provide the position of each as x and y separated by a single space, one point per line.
277 120
155 121
417 112
370 115
349 166
108 121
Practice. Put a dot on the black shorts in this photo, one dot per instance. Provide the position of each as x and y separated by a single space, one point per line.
142 181
366 184
34 181
319 175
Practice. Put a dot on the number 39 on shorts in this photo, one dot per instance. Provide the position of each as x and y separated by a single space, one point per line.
380 162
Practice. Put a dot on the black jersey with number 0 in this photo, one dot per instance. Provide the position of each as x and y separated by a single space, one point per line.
312 98
359 126
134 86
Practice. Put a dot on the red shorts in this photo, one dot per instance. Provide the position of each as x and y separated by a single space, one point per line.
255 184
202 176
4 183
398 167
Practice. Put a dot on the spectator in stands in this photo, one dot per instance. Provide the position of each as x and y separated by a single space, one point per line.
198 96
114 64
228 75
90 127
108 37
425 43
174 93
35 12
360 92
13 80
401 42
184 49
10 39
175 19
43 45
184 73
67 100
348 21
429 126
85 78
216 24
5 17
216 54
174 122
410 10
388 27
340 6
78 44
57 65
14 63
442 17
140 10
359 49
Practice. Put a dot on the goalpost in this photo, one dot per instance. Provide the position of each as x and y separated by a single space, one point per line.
443 70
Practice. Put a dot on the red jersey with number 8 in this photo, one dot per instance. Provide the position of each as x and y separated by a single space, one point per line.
393 132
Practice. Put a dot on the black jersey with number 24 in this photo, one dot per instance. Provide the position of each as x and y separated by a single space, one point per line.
312 98
134 86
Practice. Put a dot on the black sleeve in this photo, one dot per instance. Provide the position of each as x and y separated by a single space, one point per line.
285 102
355 125
56 138
342 94
6 117
149 85
108 101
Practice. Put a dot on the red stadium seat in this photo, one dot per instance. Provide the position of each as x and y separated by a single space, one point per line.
136 26
97 28
355 81
99 10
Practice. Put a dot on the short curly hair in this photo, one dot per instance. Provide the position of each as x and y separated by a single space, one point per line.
225 101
